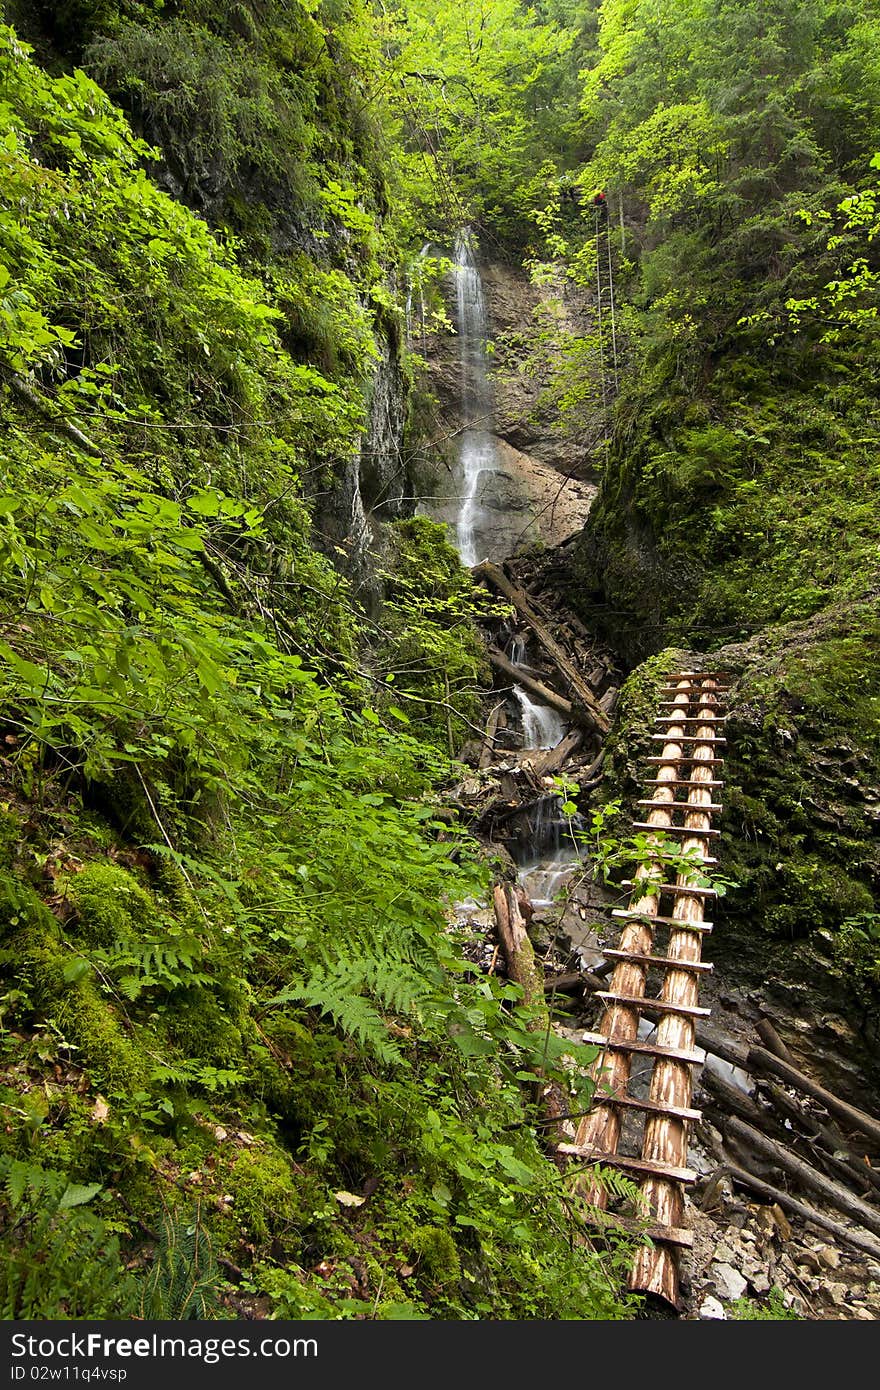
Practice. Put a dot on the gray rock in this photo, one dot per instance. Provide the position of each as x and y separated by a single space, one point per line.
710 1308
729 1283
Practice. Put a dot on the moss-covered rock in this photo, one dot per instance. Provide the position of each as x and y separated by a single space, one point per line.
111 906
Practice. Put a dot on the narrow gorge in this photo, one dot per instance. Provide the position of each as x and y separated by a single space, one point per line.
440 738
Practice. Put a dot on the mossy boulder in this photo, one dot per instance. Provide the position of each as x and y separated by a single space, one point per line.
111 906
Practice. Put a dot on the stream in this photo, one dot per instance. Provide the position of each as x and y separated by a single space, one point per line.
733 1252
546 855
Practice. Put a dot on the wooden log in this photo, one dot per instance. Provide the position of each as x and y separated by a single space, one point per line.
555 758
537 688
572 982
722 1045
761 1061
523 969
580 690
521 964
487 752
772 1041
730 1099
829 1145
859 1240
828 1189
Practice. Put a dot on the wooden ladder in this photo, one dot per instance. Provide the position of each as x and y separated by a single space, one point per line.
685 795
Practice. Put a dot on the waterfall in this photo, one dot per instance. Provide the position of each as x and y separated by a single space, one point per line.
542 727
477 455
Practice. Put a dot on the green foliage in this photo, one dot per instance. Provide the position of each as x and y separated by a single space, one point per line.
58 1259
111 905
226 961
770 1309
182 1283
434 660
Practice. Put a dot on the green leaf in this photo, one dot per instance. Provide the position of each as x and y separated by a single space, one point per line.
76 1194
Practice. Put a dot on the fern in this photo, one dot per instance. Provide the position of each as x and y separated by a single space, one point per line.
182 1284
58 1259
351 1012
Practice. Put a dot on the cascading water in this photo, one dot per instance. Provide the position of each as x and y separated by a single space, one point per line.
547 854
477 453
542 727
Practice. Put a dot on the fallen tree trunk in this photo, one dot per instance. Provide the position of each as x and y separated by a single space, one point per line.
772 1041
576 682
832 1192
838 1155
537 688
762 1061
555 758
519 954
860 1240
524 970
729 1099
571 983
487 752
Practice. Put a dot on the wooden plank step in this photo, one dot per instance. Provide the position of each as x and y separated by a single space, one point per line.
652 1006
646 1166
690 719
650 1107
681 782
681 891
679 705
674 922
660 1235
707 806
639 958
687 738
694 1058
698 675
686 758
678 829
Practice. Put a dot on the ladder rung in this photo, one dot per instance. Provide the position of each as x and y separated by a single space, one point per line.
662 1235
682 805
677 829
650 1107
687 738
638 958
680 891
677 704
646 1166
681 782
634 916
653 1006
690 719
694 1058
696 675
686 758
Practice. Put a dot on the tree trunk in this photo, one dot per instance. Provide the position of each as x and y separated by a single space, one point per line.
762 1061
832 1192
537 688
860 1240
595 715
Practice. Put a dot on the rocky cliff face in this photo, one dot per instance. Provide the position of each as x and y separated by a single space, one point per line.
544 486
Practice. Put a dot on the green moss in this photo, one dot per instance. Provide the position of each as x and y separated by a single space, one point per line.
111 906
267 1202
206 1025
64 995
438 1257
